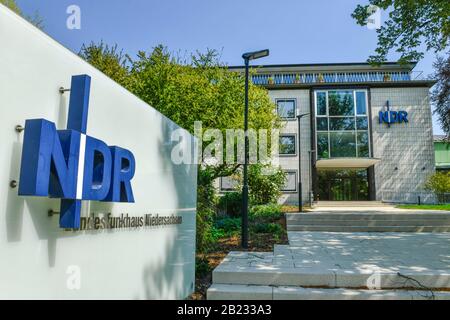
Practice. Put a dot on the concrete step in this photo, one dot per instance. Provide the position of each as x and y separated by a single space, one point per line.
370 223
366 216
380 228
254 292
351 204
317 275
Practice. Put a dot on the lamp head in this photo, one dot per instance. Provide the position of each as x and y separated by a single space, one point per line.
302 115
255 54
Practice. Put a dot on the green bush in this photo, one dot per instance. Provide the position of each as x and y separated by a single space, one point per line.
202 266
231 203
268 212
439 184
218 233
228 224
273 228
206 202
225 227
265 183
204 226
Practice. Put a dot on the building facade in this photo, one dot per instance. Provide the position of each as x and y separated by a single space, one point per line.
366 132
442 153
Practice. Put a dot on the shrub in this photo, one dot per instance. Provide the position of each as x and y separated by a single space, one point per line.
273 228
217 233
439 184
202 266
204 236
228 225
206 202
268 212
231 203
265 188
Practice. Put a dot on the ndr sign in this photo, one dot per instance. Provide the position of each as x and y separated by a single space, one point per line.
388 116
72 166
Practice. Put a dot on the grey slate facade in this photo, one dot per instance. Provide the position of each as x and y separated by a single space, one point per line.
400 156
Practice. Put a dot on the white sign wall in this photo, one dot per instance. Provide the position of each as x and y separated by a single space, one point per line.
40 260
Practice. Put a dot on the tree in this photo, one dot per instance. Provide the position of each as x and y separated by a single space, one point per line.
439 184
410 24
12 5
202 89
199 88
35 19
441 92
109 60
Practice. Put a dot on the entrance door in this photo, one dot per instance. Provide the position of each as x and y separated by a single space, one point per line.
343 185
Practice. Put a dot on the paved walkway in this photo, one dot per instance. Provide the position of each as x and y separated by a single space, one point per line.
346 260
371 252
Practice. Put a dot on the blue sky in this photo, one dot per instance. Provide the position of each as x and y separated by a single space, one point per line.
295 31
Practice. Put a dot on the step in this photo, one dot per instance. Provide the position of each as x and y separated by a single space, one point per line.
370 223
351 204
322 276
252 292
366 216
380 228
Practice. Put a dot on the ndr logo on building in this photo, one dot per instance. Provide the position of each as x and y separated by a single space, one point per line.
388 116
72 166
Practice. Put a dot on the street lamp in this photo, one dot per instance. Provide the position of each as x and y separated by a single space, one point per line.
247 57
310 177
300 195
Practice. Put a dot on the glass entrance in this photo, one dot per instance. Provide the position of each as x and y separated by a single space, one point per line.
343 185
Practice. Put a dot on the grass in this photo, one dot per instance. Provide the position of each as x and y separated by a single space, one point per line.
293 209
445 207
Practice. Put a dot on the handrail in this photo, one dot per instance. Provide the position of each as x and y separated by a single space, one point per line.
334 77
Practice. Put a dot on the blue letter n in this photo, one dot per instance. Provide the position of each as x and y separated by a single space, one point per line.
49 161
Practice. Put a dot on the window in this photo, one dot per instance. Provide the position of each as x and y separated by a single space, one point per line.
322 145
228 184
287 145
340 103
286 108
361 108
342 144
342 125
363 144
291 182
322 124
361 123
321 104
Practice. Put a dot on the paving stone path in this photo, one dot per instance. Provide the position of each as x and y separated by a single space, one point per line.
348 259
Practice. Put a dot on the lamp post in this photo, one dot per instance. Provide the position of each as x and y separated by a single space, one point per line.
310 177
247 57
300 190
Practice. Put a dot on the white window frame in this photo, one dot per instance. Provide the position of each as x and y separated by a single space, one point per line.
355 115
295 108
295 172
295 145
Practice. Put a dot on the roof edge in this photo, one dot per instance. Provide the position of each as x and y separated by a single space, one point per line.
410 65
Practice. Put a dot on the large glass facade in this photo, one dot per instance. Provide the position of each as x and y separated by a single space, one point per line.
342 125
